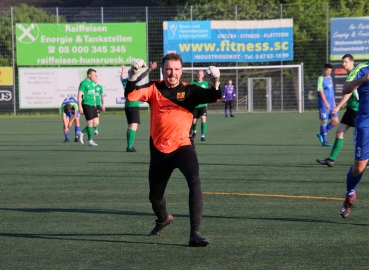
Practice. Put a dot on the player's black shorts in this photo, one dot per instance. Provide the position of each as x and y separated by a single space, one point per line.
98 108
198 112
349 117
132 115
90 112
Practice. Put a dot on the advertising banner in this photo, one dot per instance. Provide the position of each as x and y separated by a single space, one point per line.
339 76
6 96
6 76
48 87
230 41
80 44
349 35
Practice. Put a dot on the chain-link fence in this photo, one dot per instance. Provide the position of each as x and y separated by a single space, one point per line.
311 38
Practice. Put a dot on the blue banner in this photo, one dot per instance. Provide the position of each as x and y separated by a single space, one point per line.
230 41
349 35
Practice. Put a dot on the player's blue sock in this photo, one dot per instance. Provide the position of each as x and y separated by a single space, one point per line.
329 127
77 130
231 111
352 183
67 134
323 132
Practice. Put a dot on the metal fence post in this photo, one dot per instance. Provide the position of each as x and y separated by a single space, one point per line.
13 60
327 37
191 61
281 9
236 17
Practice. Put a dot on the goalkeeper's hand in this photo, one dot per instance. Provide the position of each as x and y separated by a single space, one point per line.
214 74
137 65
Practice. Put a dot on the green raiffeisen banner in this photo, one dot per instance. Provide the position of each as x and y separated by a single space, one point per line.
80 44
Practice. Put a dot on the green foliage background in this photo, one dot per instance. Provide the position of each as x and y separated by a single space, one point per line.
311 25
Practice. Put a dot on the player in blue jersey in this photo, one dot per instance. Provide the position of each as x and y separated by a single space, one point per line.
326 103
358 79
70 115
228 94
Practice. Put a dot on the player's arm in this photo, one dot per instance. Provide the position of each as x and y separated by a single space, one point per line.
80 94
203 95
322 96
350 86
321 92
139 93
341 103
75 108
211 94
64 119
102 101
65 123
122 73
133 92
152 66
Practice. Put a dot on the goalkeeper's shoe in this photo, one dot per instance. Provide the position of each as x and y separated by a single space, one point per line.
326 161
66 140
197 241
347 206
159 227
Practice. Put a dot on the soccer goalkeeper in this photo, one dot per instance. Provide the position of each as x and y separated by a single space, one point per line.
172 103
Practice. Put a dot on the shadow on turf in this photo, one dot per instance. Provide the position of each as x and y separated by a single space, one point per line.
67 236
134 213
83 211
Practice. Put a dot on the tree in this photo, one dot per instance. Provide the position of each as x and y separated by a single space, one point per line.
21 14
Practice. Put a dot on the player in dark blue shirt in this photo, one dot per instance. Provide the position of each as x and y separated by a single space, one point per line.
358 78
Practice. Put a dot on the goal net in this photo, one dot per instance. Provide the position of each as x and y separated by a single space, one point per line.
260 88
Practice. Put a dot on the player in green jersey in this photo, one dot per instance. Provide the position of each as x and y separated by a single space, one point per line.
201 109
132 108
348 119
87 105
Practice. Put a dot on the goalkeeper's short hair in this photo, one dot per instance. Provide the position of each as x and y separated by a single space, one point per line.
171 56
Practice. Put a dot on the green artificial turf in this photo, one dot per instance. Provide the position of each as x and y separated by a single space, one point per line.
267 203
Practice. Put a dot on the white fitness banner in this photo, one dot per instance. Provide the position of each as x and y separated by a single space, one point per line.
41 88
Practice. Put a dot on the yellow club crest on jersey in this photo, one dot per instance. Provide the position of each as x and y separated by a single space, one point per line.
181 96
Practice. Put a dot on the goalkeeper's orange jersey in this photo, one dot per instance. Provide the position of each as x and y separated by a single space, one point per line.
171 110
